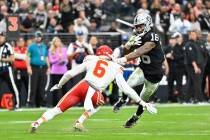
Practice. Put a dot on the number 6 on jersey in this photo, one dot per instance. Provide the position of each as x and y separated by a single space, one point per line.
99 69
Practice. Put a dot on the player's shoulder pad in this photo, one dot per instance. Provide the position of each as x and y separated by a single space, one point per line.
90 57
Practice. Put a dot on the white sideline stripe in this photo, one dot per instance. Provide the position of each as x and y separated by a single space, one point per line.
198 133
110 107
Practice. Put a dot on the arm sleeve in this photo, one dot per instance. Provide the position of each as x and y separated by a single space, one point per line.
71 73
126 88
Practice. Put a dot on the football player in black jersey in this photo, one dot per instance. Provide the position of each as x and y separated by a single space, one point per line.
144 43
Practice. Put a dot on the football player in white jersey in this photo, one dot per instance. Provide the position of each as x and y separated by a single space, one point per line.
100 72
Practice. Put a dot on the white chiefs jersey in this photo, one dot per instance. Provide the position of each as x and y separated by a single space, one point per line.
101 72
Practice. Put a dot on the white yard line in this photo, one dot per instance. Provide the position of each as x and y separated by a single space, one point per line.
110 107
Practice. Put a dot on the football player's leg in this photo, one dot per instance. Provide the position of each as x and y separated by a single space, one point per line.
136 78
147 91
91 106
150 89
68 100
134 118
48 115
79 123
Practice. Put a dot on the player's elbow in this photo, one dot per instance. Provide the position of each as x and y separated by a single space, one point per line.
68 75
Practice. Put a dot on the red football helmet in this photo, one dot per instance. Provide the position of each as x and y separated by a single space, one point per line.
104 50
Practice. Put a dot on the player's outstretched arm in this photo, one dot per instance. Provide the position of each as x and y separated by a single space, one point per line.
148 46
68 75
122 84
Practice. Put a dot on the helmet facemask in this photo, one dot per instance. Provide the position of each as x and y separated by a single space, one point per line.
142 23
104 51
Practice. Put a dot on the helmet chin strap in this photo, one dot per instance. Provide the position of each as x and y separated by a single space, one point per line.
140 33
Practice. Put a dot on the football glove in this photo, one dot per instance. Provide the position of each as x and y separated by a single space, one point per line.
134 40
121 61
55 87
150 108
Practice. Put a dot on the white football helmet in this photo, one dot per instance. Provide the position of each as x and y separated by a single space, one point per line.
146 20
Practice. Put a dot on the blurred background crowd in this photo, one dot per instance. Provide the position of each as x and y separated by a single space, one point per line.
68 30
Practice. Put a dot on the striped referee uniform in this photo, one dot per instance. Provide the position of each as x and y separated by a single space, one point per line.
6 73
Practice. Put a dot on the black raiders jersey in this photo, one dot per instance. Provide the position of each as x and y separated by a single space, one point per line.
151 62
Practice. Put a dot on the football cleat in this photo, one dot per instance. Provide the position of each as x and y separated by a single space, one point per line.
131 122
34 127
79 127
118 105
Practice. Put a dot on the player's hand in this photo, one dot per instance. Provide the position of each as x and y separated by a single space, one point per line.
55 87
29 70
150 107
134 40
120 61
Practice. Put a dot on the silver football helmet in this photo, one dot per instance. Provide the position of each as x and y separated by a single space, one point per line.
142 19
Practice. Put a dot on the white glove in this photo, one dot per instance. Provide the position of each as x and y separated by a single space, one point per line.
150 107
55 87
121 61
134 40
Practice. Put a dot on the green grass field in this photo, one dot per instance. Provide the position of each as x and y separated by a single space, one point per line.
173 122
